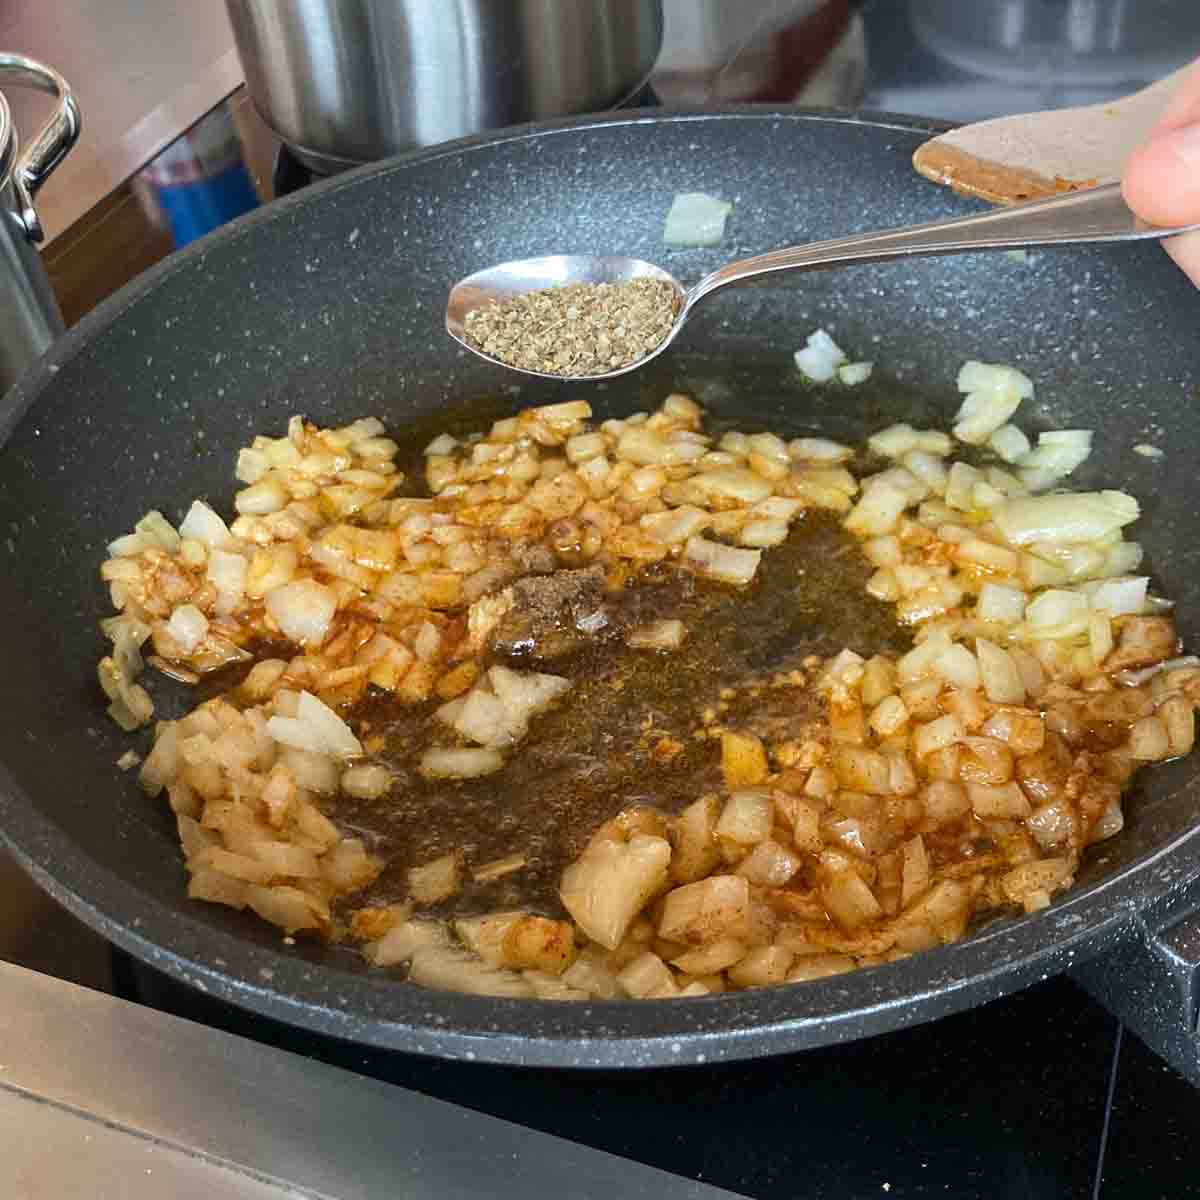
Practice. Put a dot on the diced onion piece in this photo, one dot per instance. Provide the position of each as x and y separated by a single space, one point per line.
937 734
696 219
1000 603
449 969
606 887
820 358
485 719
769 864
204 525
1069 517
1001 680
763 534
818 450
647 976
1005 801
1058 453
252 465
1009 443
725 563
303 610
929 469
317 728
1149 740
435 881
957 666
960 486
227 573
402 941
711 909
852 374
367 782
658 635
849 900
1119 597
155 525
187 627
747 818
449 763
987 377
259 499
526 693
878 511
1054 608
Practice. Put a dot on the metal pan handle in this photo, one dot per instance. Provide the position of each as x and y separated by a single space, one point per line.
50 146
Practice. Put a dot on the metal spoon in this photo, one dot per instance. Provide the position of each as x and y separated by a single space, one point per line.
1078 218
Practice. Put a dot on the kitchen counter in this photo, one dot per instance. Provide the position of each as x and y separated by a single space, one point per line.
134 104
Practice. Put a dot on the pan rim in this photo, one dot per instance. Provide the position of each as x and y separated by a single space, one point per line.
1000 959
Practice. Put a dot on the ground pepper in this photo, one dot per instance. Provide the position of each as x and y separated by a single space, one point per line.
579 329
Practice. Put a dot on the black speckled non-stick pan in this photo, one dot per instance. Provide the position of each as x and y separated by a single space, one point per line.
330 304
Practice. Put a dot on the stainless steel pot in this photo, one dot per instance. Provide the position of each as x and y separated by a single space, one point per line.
348 81
1078 42
29 316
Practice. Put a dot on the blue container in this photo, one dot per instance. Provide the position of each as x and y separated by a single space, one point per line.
200 180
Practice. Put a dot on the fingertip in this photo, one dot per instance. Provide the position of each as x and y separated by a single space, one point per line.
1160 181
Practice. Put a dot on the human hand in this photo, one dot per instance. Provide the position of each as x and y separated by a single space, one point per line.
1162 179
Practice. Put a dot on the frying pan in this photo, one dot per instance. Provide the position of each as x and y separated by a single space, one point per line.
330 304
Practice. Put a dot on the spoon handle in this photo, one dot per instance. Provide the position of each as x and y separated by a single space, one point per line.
1098 214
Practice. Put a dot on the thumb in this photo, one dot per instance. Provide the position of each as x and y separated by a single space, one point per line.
1161 181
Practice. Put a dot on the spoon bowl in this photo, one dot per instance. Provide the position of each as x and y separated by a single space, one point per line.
1084 217
510 279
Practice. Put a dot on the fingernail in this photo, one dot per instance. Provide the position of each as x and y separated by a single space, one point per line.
1185 142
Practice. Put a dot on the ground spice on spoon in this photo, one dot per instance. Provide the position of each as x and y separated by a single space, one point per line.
579 329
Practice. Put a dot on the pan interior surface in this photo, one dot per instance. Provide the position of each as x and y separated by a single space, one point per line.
330 305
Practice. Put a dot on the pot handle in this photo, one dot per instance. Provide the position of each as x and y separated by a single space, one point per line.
1150 977
53 141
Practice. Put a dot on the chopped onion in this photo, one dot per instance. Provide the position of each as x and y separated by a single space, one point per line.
1067 517
696 219
1010 443
666 634
227 573
316 728
1058 454
1120 596
820 358
982 413
302 609
187 627
878 511
893 442
957 666
129 546
818 450
1000 603
717 561
929 469
448 763
852 374
988 377
204 525
960 486
1055 607
156 526
1002 681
